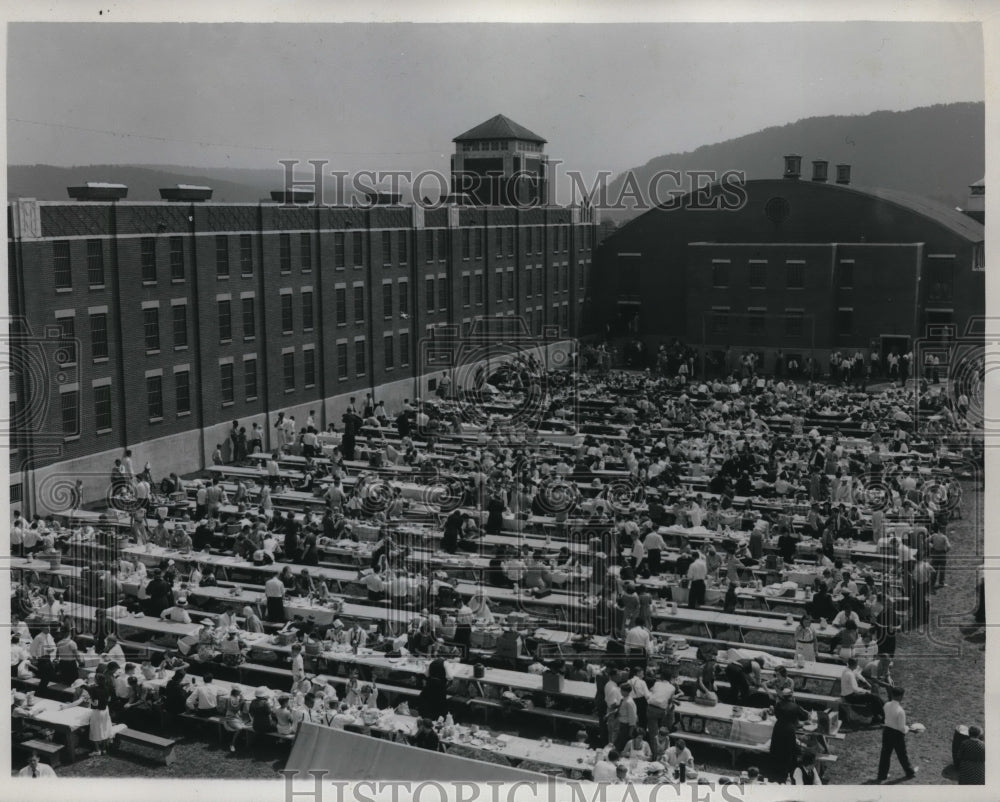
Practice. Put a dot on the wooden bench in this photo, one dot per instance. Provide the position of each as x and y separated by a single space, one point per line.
161 749
554 715
54 690
824 760
47 749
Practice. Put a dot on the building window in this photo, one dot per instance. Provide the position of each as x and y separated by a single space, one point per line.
480 288
340 302
307 310
222 256
845 275
499 293
246 255
95 263
359 304
477 240
176 258
442 250
466 243
793 323
528 279
757 275
429 246
182 391
62 272
341 361
466 290
404 348
249 319
70 401
360 362
940 280
510 241
443 294
99 336
755 322
154 397
288 370
285 253
510 284
498 235
529 239
429 300
720 321
845 322
226 383
102 408
309 367
404 298
386 247
225 321
539 239
404 247
287 321
180 326
67 341
795 276
305 252
250 378
720 275
388 353
151 328
357 248
338 249
387 301
147 258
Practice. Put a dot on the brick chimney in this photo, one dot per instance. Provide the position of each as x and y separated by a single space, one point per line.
844 174
819 170
793 166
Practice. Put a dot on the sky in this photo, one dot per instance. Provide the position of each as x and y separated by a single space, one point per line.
392 96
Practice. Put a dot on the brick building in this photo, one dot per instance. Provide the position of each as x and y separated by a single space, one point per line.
152 326
802 266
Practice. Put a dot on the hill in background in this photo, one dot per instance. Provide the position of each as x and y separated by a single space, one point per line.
934 151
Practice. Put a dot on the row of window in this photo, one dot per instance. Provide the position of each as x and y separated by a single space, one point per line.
793 321
393 242
794 275
501 144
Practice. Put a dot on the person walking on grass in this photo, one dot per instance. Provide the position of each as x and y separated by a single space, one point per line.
894 731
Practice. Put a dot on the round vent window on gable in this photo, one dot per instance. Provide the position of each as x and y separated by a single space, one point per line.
777 209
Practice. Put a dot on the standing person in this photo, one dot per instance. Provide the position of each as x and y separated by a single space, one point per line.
696 574
894 737
784 746
940 545
660 706
274 590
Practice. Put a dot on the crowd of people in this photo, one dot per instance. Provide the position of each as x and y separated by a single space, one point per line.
763 465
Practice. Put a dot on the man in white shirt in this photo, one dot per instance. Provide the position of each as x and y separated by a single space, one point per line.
894 737
36 769
274 590
637 640
856 691
178 613
655 546
113 650
659 706
696 574
606 771
678 754
204 698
